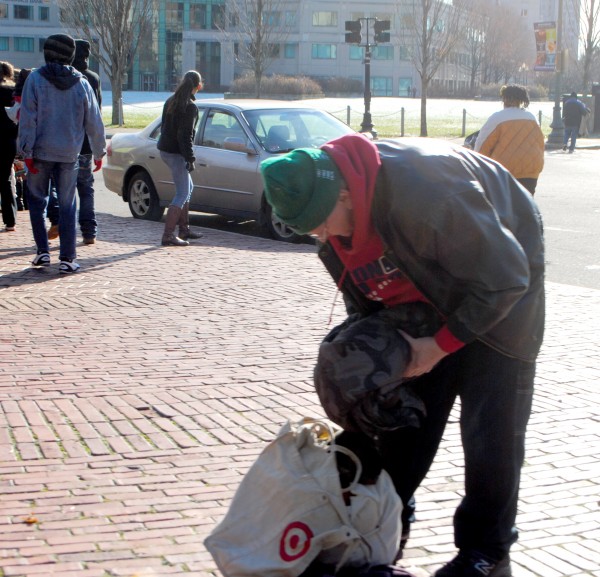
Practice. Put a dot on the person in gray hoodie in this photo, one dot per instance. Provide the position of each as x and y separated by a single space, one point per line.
58 109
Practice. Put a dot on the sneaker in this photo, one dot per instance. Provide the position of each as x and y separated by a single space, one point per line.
570 152
68 266
10 228
53 232
42 259
564 148
89 240
474 564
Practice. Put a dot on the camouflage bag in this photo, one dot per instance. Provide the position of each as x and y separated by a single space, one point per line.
358 375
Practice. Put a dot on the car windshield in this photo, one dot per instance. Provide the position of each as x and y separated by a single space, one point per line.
283 130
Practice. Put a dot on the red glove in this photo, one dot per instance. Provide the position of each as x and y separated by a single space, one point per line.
30 166
98 165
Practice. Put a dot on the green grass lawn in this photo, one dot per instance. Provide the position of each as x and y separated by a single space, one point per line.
444 117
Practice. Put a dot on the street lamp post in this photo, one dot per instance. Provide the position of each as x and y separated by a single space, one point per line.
354 36
555 137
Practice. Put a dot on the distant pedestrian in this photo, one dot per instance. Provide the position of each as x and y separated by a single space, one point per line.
8 147
573 112
179 120
513 137
58 108
85 176
414 91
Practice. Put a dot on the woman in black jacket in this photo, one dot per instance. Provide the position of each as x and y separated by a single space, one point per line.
8 146
179 119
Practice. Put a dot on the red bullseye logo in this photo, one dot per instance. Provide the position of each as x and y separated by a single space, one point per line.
295 541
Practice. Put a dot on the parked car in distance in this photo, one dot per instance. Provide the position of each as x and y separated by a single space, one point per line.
232 138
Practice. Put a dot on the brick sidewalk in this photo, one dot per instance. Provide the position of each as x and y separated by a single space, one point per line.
134 395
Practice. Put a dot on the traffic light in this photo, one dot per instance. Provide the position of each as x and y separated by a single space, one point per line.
380 27
353 35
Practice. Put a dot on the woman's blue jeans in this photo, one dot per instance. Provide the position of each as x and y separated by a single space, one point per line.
181 177
65 174
495 392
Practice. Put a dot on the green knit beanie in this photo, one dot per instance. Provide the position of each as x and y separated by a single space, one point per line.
302 187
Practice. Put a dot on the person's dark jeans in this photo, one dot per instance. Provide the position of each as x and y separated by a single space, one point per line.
7 197
85 190
496 394
570 132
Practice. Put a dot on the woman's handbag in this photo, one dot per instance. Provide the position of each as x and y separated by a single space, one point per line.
289 510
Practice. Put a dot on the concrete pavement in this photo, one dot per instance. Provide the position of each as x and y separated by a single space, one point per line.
135 394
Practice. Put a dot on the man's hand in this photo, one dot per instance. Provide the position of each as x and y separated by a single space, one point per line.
190 166
97 165
30 166
425 354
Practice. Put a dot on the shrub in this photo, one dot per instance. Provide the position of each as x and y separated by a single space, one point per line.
339 85
492 92
277 84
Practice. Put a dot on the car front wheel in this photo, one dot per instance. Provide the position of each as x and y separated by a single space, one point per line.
143 200
277 229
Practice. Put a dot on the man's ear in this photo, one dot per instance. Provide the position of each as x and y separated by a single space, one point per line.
345 198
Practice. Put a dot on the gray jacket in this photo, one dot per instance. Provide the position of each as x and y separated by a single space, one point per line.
58 109
468 236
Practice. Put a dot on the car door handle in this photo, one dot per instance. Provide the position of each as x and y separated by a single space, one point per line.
151 156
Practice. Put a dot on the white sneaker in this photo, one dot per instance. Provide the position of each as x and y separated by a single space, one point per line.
42 259
68 266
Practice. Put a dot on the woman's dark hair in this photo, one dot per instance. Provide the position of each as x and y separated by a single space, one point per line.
515 95
6 71
183 92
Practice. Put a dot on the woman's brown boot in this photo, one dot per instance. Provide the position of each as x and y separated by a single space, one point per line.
184 224
169 238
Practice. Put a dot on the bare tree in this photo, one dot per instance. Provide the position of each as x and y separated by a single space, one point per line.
114 29
475 32
585 19
505 54
433 28
258 27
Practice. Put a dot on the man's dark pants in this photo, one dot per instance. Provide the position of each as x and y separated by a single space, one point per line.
495 392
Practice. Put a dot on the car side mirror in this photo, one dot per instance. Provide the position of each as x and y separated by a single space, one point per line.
238 144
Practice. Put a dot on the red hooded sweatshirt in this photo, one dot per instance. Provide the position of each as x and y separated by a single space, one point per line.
363 254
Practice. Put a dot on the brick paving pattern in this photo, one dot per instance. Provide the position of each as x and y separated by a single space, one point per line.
135 394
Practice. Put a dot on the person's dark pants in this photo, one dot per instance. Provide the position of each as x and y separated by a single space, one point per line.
7 198
85 190
571 132
496 394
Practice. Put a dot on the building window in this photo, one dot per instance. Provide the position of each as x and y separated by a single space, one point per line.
174 15
198 17
383 53
3 10
44 13
41 42
324 19
524 12
3 43
290 18
404 52
290 50
23 12
324 51
356 52
381 86
23 44
217 17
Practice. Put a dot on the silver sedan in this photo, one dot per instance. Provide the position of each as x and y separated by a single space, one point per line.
232 139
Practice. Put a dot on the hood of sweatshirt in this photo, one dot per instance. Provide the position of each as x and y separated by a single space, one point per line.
358 160
60 75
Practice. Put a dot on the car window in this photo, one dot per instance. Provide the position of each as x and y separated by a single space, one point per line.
155 134
221 129
284 130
